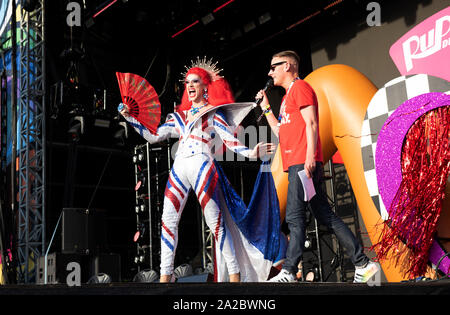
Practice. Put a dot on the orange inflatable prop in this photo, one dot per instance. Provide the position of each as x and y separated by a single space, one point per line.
344 95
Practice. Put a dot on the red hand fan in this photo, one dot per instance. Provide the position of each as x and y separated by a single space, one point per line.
141 99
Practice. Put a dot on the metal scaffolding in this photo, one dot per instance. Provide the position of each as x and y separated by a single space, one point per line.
152 166
31 143
207 246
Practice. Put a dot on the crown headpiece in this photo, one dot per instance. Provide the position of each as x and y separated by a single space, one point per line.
208 65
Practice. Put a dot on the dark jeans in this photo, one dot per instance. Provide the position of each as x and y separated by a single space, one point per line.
296 209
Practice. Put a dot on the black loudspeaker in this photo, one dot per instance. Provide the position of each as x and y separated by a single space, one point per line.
83 231
107 264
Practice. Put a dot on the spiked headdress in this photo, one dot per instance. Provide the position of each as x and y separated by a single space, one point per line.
219 91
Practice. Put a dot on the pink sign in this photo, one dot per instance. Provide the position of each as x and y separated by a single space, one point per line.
426 48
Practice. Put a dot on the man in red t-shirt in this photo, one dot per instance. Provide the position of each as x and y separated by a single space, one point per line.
297 128
299 117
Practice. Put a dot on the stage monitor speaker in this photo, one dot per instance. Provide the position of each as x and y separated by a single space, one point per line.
83 231
204 277
108 264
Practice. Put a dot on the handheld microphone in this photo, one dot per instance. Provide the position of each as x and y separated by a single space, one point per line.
269 84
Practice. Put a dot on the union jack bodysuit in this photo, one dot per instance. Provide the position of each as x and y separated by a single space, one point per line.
194 168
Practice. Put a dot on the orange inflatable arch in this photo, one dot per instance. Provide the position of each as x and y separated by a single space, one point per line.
344 95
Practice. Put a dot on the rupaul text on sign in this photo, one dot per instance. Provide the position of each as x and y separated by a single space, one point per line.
425 48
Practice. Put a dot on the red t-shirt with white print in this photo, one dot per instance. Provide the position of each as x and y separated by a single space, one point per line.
292 132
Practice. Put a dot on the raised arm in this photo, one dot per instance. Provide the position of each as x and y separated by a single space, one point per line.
164 132
265 106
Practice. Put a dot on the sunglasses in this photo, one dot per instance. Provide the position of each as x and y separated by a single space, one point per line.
273 66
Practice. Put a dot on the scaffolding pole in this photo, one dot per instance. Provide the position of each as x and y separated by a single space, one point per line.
31 143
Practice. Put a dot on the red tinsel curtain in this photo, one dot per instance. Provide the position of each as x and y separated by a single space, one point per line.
415 210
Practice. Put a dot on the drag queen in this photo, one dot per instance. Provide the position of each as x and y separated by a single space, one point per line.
200 119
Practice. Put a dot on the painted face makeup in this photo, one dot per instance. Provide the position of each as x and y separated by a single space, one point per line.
194 88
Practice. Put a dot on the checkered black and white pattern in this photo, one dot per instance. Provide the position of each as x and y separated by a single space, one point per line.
382 105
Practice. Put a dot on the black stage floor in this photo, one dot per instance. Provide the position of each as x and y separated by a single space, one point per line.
176 298
433 287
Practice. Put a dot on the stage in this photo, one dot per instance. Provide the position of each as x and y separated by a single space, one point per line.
83 193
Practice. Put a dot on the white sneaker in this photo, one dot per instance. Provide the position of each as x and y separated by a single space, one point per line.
283 276
363 274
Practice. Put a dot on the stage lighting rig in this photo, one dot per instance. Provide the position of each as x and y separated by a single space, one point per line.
313 274
143 208
91 16
140 207
184 270
84 110
141 182
142 257
100 278
77 117
29 5
66 100
139 157
208 19
102 118
150 164
310 243
146 275
141 233
72 56
120 133
76 128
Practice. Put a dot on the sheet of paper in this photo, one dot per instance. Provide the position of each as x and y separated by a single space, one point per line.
308 185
